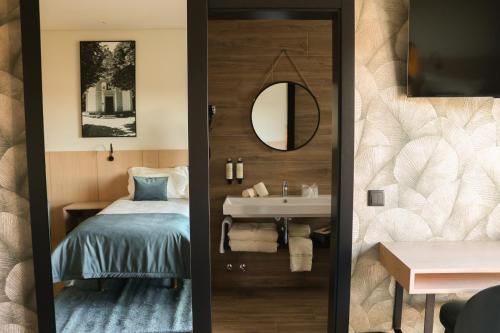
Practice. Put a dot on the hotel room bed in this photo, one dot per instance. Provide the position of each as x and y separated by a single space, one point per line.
128 239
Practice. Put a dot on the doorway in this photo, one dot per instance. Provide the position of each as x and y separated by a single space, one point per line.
342 116
281 75
109 105
133 273
198 12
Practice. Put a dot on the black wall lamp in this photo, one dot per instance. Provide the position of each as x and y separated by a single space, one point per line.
110 156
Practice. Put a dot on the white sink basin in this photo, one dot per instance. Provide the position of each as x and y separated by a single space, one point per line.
274 206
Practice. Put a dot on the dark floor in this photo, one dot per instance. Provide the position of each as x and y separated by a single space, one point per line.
270 311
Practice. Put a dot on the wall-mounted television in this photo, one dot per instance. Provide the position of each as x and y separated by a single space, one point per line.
454 48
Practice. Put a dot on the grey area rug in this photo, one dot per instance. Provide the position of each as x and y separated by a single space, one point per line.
126 306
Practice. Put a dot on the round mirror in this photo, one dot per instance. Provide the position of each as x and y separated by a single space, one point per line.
285 116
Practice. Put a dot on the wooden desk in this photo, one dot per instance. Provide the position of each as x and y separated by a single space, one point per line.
439 268
77 212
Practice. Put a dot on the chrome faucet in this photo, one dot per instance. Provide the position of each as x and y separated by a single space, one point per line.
284 191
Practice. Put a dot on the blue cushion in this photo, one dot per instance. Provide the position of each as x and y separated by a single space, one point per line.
150 188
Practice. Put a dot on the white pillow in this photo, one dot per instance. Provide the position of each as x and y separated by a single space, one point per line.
177 184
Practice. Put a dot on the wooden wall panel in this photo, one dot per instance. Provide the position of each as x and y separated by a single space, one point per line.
240 55
89 176
150 158
170 158
73 177
47 172
165 158
112 179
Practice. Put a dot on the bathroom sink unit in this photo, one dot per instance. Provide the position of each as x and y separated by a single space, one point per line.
278 207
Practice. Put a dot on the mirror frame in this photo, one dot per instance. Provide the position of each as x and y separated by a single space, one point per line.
197 18
315 102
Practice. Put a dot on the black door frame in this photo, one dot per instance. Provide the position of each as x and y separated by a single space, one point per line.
197 12
35 150
199 194
341 12
198 157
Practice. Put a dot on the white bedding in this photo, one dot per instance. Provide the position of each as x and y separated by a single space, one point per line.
127 206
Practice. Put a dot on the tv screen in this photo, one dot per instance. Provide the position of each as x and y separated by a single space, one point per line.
454 48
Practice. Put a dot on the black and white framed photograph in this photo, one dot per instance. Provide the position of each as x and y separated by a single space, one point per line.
108 94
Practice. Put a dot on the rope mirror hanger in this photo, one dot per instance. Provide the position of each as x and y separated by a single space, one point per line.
284 53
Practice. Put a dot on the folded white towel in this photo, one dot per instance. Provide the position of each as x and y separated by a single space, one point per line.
301 254
300 263
226 223
299 230
253 246
265 232
261 189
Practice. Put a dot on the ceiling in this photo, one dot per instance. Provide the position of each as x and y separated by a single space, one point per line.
112 14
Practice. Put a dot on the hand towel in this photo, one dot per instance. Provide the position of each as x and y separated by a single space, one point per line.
301 254
265 232
261 189
300 246
248 193
253 246
226 226
300 264
299 230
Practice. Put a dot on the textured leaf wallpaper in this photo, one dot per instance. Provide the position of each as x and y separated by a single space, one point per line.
438 161
17 297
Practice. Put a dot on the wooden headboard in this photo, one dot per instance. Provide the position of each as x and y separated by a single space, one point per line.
74 176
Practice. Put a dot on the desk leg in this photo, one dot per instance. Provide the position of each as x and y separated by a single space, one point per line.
397 312
430 301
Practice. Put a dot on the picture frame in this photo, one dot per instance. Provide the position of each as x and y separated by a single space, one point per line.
108 88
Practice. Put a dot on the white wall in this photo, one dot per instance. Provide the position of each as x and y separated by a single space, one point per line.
161 83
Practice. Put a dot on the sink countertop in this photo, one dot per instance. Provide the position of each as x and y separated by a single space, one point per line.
275 206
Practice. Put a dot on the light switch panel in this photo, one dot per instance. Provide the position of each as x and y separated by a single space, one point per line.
376 198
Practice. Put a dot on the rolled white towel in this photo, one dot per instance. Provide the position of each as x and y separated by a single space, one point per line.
248 193
301 254
261 189
253 246
299 230
265 232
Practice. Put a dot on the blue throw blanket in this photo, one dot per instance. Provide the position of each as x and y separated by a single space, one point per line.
125 246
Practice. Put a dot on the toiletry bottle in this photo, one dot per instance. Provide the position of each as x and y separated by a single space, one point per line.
229 171
239 170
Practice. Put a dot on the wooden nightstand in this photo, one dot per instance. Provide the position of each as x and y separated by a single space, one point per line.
78 212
